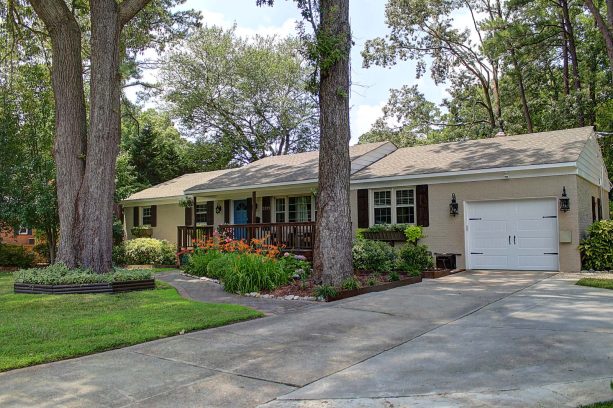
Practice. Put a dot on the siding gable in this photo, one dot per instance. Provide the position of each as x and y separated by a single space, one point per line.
590 164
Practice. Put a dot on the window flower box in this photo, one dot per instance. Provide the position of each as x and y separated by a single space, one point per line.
385 235
142 232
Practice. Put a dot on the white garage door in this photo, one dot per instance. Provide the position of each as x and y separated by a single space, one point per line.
513 234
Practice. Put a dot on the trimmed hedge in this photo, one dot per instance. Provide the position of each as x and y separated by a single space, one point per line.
144 251
414 258
15 255
59 274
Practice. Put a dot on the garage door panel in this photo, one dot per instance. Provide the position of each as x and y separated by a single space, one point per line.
490 261
531 225
537 262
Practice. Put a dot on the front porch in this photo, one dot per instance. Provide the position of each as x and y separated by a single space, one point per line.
295 237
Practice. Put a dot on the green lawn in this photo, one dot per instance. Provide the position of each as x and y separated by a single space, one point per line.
36 329
605 404
596 283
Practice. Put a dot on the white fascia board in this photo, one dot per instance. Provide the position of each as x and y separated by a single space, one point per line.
146 201
499 173
251 187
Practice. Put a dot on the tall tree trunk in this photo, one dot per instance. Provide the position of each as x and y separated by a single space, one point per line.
332 250
572 50
70 120
565 70
497 98
86 166
607 32
96 203
522 92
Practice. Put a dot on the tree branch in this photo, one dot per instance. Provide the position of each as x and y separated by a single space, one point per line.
129 8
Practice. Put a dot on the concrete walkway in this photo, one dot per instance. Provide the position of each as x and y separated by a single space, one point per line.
472 339
206 291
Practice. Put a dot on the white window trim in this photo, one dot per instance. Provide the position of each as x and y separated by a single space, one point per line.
19 232
142 216
371 204
286 198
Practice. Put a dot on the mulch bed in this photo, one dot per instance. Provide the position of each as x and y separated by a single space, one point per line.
366 278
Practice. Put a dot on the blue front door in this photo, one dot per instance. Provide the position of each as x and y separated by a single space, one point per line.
240 217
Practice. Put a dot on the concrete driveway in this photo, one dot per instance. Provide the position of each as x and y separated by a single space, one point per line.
472 339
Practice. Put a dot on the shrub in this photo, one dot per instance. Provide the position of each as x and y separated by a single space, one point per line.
597 248
393 276
413 233
141 232
372 255
372 281
59 274
42 250
119 254
295 264
117 232
143 251
415 258
217 268
15 255
246 273
351 283
325 291
199 261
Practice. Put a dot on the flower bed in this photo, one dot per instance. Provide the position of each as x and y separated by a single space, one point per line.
58 279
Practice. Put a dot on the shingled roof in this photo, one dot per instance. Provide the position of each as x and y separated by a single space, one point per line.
292 168
558 146
176 186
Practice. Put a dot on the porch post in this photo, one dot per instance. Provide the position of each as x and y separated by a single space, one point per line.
251 229
194 233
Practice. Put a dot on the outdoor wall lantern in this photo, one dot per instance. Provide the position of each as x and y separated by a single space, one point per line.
218 209
564 201
453 206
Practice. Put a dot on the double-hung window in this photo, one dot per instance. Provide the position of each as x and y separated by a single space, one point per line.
201 213
299 209
405 206
383 207
280 209
394 206
146 216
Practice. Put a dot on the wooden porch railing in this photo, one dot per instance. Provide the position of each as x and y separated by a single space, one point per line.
293 236
187 234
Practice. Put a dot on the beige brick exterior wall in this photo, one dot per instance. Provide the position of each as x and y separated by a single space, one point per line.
446 233
169 216
586 191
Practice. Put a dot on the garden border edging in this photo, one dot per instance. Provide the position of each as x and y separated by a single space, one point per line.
114 287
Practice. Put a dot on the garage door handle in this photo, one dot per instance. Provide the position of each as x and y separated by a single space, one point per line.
514 240
509 240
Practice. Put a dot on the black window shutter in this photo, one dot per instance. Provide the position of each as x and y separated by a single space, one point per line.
249 204
423 211
593 209
136 220
599 210
154 215
266 211
226 211
210 212
363 208
188 216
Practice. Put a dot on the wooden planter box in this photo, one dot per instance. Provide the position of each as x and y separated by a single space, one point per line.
114 287
385 236
377 288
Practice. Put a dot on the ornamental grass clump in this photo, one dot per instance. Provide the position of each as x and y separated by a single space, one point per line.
247 273
59 274
199 261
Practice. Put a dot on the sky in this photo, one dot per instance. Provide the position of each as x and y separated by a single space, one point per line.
370 87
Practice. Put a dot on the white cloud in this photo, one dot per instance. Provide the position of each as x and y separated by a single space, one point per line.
286 29
362 118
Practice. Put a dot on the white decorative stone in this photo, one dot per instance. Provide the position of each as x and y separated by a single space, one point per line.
289 297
